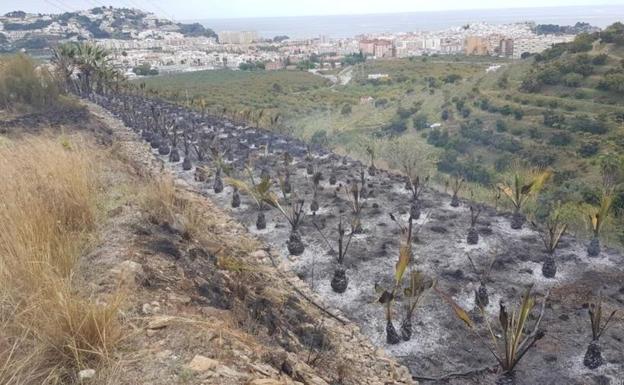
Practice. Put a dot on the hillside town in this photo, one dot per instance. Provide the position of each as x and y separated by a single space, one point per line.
143 44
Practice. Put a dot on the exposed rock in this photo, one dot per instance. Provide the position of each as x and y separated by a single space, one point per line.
200 363
86 374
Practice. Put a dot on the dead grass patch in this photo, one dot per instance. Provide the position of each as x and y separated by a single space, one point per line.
50 190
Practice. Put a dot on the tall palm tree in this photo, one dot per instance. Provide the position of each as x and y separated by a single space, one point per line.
91 60
64 59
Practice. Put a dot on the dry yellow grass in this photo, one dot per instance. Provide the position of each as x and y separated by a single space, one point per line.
48 214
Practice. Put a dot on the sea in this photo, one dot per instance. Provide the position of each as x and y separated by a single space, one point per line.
343 26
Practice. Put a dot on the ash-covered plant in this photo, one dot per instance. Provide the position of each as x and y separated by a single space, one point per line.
218 160
294 214
597 217
550 233
259 192
352 194
416 186
593 356
309 161
371 151
518 337
339 281
473 234
316 181
523 186
388 297
456 185
482 298
413 293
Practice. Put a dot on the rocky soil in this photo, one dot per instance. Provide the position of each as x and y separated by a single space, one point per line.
441 351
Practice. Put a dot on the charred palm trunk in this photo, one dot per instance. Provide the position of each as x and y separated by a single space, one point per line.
507 378
454 201
236 201
415 209
593 249
314 206
593 355
332 179
392 337
549 267
517 219
473 236
260 221
163 149
174 155
340 281
310 168
406 328
155 142
295 244
218 182
187 164
482 299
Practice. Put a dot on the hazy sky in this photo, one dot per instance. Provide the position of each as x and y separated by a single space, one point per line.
204 9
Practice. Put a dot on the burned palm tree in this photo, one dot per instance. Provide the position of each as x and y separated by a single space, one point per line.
593 355
363 190
372 153
416 187
482 299
293 214
236 201
174 155
259 192
332 177
187 138
339 281
518 337
551 233
388 297
309 162
596 218
456 185
418 285
355 204
218 160
316 180
522 187
473 233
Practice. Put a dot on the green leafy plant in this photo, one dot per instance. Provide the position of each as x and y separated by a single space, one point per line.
517 336
523 186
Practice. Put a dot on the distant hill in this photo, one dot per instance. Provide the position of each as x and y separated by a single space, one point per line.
36 31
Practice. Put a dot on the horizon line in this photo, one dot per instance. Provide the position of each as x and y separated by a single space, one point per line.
399 12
